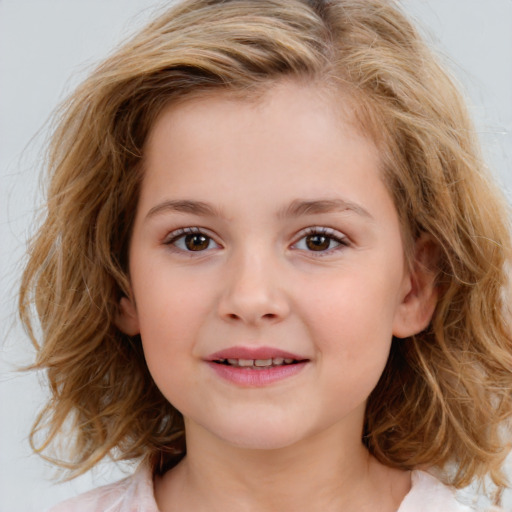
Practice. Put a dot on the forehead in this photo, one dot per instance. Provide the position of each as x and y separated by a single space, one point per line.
294 142
286 109
305 102
322 97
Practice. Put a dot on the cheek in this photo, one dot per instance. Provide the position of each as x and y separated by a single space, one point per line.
354 303
172 309
169 325
170 301
351 321
353 344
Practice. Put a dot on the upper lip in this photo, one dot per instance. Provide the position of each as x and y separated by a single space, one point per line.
260 353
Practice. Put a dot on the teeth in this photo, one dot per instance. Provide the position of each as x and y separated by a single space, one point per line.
257 363
263 362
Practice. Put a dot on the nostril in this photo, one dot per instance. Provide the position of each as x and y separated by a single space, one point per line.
253 307
267 316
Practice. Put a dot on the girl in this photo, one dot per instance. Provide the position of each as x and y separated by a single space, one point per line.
273 269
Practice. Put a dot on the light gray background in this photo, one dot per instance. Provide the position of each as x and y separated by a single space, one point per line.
46 47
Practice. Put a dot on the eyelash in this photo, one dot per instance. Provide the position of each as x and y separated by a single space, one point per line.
329 234
181 234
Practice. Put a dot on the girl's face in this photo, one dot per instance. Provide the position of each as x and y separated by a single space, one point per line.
267 267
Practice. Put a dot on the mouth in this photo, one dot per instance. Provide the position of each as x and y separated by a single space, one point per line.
258 364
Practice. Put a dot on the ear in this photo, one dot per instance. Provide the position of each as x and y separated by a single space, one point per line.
127 319
420 291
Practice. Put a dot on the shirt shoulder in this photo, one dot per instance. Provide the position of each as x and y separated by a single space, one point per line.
132 494
428 494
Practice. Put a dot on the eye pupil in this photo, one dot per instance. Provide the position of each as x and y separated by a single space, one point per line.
197 242
318 242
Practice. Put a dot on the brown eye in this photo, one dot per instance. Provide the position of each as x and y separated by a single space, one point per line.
321 240
196 242
318 242
190 240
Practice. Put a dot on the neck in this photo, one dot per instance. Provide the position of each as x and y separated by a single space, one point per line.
316 474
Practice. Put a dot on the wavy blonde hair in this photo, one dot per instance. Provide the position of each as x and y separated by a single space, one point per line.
445 393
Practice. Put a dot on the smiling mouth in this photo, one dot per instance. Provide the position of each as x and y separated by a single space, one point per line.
258 364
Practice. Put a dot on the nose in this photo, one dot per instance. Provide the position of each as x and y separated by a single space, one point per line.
253 292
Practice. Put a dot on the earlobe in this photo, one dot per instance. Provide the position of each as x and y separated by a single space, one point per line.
419 302
127 319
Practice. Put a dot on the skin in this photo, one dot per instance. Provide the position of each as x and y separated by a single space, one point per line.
294 444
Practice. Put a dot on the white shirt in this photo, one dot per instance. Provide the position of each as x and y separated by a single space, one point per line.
135 494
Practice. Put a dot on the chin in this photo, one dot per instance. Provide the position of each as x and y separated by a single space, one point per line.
259 436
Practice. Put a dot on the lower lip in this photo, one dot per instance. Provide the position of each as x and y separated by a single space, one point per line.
256 378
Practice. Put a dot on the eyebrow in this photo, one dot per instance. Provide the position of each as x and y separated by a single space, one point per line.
305 207
296 208
185 206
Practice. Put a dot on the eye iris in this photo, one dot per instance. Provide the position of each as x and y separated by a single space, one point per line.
196 242
318 242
